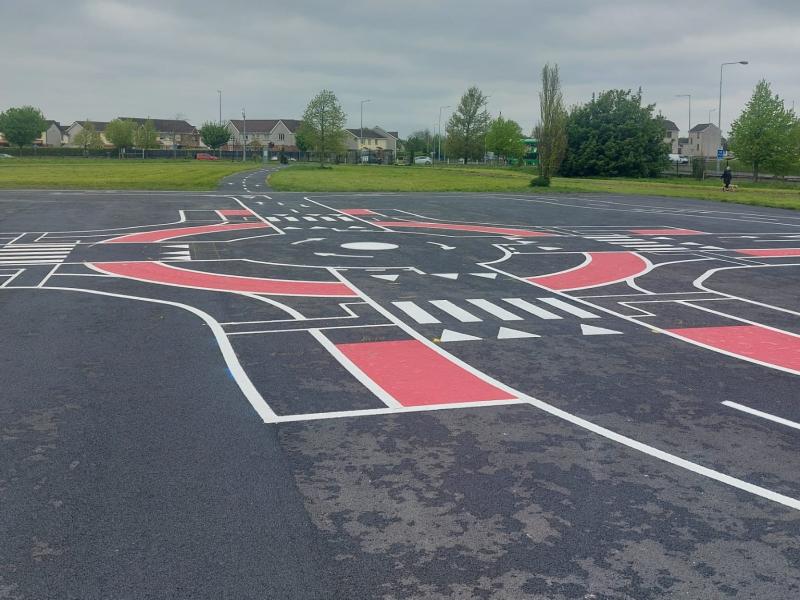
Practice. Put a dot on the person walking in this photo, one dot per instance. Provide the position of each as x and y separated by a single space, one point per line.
726 177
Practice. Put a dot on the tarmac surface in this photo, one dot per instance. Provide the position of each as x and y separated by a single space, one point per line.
251 394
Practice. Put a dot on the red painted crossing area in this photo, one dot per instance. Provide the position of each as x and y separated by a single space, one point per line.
755 342
600 268
770 252
416 375
162 235
464 227
156 272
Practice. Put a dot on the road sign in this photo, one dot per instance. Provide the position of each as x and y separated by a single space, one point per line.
720 153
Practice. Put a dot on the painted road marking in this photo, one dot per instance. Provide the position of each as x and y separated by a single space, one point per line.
327 218
414 374
532 308
455 311
494 309
770 252
485 275
592 330
569 308
420 315
309 218
667 232
160 235
35 254
448 335
464 227
511 334
762 414
599 269
291 218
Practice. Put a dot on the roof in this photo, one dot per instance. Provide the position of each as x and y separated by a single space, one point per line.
368 133
701 127
670 125
98 125
265 125
165 125
292 124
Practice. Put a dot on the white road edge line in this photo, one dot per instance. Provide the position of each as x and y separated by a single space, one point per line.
761 414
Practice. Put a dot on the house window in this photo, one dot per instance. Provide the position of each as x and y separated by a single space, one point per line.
280 136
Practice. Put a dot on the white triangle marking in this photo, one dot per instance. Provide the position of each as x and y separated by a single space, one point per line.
712 248
506 333
454 336
386 277
485 275
549 248
446 275
594 330
183 246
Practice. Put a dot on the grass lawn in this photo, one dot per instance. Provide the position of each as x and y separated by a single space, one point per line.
373 178
113 174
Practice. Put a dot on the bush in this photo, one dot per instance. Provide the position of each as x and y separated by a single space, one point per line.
698 167
540 181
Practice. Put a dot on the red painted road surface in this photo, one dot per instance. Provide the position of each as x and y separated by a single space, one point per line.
162 235
416 375
749 341
156 272
667 232
770 252
462 227
603 268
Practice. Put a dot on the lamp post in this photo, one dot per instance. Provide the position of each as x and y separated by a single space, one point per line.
711 110
361 138
244 136
689 96
220 106
439 128
719 107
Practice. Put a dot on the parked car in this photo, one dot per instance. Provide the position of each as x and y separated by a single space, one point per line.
206 156
423 160
6 156
678 159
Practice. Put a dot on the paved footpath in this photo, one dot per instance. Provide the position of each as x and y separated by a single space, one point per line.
252 394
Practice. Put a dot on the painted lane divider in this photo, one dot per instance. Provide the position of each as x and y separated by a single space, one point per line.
449 335
160 235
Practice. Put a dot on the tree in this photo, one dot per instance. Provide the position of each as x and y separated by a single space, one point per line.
466 129
214 135
504 138
301 141
765 134
550 132
613 135
88 138
120 133
146 136
323 125
416 143
22 125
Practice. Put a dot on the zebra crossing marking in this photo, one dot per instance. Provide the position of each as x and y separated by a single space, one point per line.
456 311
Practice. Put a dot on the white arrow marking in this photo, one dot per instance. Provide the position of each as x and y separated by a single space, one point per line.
386 277
442 246
454 336
307 240
485 275
593 330
506 333
549 248
446 275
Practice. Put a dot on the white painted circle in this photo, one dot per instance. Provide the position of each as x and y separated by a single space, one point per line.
369 246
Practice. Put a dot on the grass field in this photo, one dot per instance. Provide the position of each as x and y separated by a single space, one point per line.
108 174
344 178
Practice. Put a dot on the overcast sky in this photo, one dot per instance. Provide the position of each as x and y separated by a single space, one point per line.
99 59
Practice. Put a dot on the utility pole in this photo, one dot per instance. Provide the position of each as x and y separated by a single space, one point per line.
719 107
244 136
220 106
439 151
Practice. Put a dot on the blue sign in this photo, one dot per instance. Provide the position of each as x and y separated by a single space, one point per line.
720 153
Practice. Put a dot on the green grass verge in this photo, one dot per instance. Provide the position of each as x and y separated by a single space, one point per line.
353 178
112 174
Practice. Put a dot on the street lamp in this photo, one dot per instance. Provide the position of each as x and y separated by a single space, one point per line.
244 136
439 128
220 106
719 107
711 110
689 96
361 139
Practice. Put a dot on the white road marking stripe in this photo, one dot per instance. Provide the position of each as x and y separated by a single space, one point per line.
272 219
292 219
345 218
327 218
420 315
761 414
455 311
569 308
494 309
532 308
309 218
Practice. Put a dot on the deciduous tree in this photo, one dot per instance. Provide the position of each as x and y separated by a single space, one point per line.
214 135
120 133
88 137
322 127
22 125
466 129
504 138
766 133
146 136
614 135
417 143
551 132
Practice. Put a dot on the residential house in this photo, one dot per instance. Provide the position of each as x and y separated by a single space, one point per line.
671 133
52 135
272 134
74 129
172 132
683 143
704 139
371 138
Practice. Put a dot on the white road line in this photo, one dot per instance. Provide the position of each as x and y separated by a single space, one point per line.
583 423
309 218
291 218
420 315
494 309
327 218
569 308
532 308
272 219
343 218
761 414
455 311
